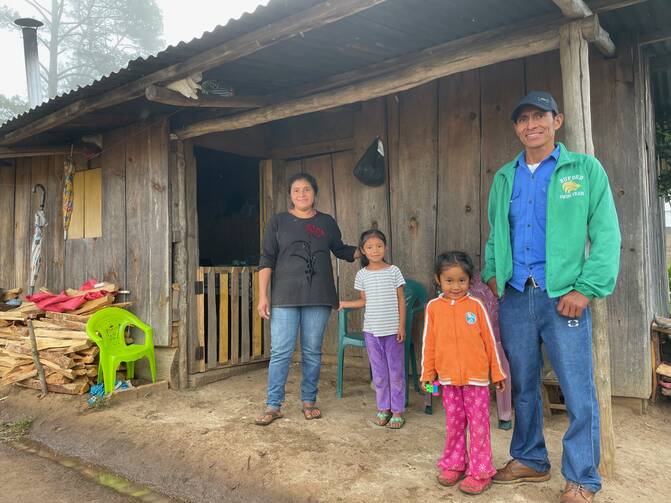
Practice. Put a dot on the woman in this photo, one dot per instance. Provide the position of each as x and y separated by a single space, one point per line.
297 248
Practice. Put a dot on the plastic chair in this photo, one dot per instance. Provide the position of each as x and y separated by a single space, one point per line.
107 328
346 338
415 301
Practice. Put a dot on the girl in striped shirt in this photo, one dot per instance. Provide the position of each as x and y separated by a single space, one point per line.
380 287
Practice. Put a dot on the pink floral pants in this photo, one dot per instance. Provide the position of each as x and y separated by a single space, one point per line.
467 404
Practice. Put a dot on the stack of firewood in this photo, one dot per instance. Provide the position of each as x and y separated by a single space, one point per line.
68 356
663 354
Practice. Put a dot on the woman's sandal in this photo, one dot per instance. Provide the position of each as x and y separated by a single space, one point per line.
268 417
382 418
312 412
396 423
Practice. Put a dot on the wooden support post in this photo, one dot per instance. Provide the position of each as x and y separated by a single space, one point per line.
574 56
179 258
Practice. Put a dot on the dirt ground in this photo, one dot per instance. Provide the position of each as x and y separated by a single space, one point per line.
201 445
27 478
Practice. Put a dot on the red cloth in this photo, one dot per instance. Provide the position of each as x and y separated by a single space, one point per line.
62 302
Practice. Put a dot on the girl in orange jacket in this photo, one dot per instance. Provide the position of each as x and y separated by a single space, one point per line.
459 350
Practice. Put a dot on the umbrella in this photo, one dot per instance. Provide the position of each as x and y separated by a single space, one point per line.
68 195
35 262
36 246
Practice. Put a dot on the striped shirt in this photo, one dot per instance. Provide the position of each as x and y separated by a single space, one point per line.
381 317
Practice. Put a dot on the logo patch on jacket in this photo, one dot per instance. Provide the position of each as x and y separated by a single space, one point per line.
471 318
571 186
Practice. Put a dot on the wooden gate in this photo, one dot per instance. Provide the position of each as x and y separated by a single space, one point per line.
230 332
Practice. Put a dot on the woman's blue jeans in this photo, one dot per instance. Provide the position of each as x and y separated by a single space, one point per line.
284 328
527 320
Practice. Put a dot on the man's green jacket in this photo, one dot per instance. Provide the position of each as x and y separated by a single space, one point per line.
582 230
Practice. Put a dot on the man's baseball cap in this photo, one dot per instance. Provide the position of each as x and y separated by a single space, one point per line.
539 99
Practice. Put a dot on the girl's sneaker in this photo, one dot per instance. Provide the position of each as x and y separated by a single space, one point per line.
474 486
448 478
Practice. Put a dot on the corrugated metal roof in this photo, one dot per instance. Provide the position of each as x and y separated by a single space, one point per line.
262 16
388 30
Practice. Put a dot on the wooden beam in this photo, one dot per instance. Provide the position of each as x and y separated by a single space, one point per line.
573 9
600 6
312 149
577 9
655 36
320 15
167 96
14 152
404 73
574 58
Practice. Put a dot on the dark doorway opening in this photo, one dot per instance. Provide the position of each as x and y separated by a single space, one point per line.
228 208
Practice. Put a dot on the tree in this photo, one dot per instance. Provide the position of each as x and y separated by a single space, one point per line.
10 107
85 39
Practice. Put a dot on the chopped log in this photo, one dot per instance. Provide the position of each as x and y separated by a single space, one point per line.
60 345
664 369
60 325
67 317
76 387
55 378
19 374
57 358
83 359
76 347
107 287
61 334
91 306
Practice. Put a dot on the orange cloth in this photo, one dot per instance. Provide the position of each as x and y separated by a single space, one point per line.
458 343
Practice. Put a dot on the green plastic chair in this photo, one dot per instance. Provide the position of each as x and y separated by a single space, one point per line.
107 329
415 301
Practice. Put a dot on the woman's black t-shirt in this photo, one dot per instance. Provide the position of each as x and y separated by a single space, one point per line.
298 250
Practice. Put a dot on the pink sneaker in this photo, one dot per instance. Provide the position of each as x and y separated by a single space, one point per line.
474 486
448 478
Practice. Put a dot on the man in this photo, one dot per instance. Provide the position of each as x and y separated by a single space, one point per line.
554 244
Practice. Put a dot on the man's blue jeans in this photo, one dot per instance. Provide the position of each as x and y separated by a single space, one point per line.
284 325
528 320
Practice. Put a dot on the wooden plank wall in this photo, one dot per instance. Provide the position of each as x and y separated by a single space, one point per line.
445 140
617 144
134 249
7 187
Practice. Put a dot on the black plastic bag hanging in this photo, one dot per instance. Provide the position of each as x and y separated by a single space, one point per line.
370 170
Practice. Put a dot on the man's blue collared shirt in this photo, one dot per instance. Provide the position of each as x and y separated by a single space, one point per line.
528 219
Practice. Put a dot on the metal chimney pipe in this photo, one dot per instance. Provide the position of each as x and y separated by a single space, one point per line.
29 29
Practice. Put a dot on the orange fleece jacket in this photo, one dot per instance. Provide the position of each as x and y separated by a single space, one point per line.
459 346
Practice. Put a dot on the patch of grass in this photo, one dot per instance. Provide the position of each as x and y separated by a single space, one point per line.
10 432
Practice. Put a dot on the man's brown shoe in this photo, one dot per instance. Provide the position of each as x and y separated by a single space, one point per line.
515 472
574 493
